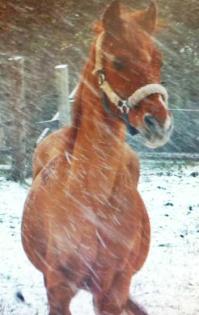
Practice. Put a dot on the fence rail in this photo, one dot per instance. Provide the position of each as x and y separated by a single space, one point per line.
183 156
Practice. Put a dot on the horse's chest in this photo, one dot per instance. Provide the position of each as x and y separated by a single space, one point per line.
120 220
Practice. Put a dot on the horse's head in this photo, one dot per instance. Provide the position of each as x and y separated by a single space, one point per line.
128 64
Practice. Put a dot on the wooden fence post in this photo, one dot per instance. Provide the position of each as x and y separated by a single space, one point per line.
62 88
16 115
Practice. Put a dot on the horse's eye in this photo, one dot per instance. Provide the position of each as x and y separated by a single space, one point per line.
118 63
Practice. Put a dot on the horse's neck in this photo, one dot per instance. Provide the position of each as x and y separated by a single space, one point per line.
99 142
89 118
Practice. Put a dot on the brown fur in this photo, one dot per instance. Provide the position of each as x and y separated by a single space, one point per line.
85 224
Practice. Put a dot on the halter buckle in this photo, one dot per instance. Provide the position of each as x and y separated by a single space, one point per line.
101 77
123 106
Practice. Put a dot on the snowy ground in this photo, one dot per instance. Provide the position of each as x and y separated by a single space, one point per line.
169 282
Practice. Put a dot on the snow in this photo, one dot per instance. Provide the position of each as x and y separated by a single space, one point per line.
168 284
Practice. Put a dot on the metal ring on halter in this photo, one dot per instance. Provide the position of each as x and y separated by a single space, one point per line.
123 106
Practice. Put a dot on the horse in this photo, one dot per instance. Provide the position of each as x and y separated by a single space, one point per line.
85 224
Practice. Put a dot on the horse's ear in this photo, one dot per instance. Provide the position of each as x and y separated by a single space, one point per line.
147 19
111 17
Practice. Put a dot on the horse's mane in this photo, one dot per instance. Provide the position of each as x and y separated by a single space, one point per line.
76 109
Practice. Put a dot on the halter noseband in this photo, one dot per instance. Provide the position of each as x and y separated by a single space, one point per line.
140 94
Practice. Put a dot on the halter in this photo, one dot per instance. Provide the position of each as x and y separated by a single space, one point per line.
124 105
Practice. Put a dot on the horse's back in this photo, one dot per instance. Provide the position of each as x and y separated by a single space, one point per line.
54 144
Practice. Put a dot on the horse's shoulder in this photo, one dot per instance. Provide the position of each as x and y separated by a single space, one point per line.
50 174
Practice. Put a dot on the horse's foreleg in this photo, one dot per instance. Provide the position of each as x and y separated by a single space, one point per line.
113 301
132 308
116 300
59 293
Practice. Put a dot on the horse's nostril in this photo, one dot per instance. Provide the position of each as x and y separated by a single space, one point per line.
150 121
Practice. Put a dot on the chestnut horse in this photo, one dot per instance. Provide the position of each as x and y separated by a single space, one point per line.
85 224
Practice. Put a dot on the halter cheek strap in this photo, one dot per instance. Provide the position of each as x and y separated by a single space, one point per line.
140 94
121 104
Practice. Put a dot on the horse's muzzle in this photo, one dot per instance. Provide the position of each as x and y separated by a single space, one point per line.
156 134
